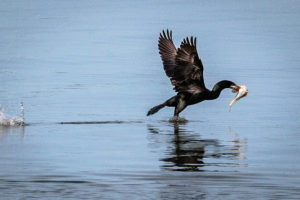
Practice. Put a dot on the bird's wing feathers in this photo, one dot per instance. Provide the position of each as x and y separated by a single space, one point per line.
167 52
188 74
183 65
188 53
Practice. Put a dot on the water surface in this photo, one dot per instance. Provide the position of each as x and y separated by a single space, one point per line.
87 73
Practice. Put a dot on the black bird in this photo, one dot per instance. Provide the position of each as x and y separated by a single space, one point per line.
185 70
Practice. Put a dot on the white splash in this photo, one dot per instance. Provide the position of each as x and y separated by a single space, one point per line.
12 121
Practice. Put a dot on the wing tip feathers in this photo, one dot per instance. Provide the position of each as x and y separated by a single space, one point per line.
166 34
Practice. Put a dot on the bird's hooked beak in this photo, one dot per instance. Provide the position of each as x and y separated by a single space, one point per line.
241 91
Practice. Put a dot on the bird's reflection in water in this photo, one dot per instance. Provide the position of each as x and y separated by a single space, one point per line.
187 151
187 154
238 145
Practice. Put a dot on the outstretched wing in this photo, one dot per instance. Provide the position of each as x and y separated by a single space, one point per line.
167 52
188 73
183 65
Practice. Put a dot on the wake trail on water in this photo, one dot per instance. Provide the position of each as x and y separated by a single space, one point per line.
12 121
102 122
6 120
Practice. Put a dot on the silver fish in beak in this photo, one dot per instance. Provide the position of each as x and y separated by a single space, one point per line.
241 91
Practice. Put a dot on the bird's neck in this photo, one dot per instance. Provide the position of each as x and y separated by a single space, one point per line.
218 88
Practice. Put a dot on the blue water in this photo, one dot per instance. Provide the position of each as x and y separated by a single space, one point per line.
88 71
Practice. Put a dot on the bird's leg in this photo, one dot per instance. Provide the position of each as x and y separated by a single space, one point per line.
181 104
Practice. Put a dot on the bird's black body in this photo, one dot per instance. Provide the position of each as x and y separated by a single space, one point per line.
185 70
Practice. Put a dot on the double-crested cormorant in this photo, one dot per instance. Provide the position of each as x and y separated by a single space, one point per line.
185 70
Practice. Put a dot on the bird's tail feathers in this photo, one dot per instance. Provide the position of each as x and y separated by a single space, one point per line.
155 109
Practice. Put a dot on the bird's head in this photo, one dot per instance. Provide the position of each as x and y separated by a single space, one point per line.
241 91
